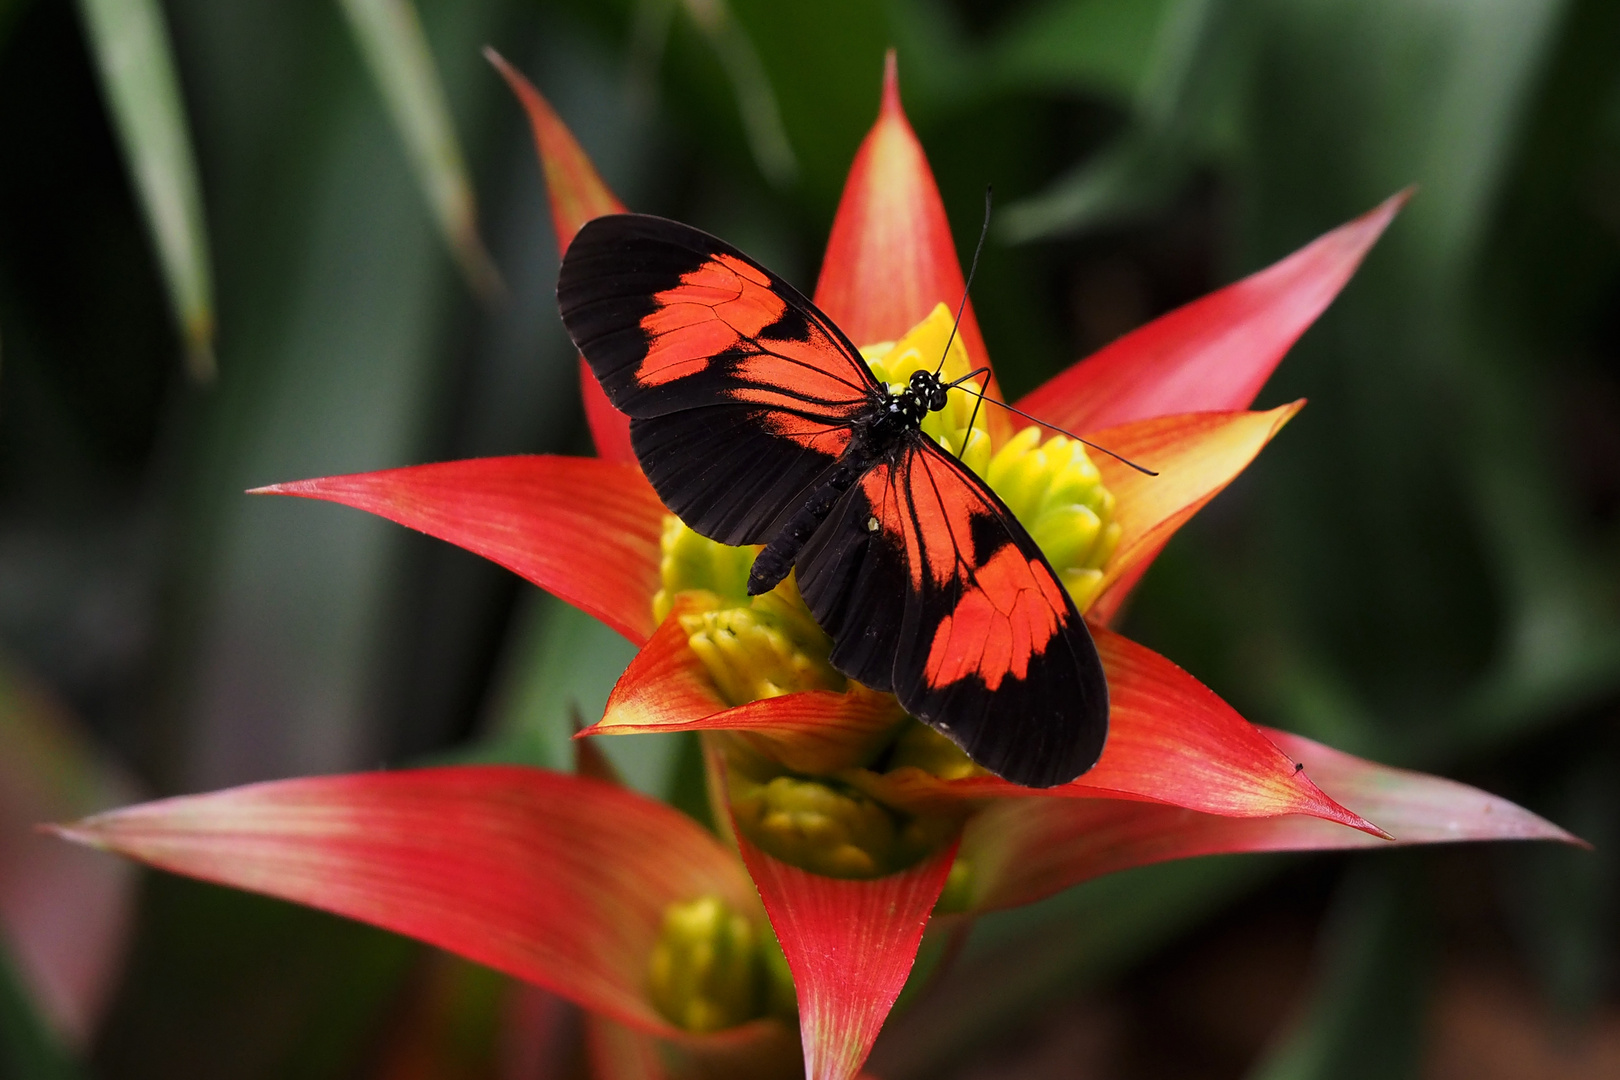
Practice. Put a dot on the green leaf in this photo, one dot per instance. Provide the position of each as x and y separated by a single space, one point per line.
9 11
342 297
1121 181
563 661
396 52
1175 90
226 983
751 85
130 42
1488 621
1560 899
825 62
1097 46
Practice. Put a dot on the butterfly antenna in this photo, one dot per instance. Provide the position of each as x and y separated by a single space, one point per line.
973 268
979 393
968 434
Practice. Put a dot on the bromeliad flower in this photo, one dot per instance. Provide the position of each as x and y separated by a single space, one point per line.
854 823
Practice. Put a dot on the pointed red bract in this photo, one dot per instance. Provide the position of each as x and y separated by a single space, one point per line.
850 945
1170 738
555 879
1216 352
1022 852
813 731
1196 455
65 914
573 185
890 256
1174 741
583 529
666 686
577 194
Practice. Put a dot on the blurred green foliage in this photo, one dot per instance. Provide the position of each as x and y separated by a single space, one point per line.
27 1045
1425 569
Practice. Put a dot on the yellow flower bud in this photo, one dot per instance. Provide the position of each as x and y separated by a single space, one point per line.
690 562
1057 493
707 971
753 647
1052 487
826 829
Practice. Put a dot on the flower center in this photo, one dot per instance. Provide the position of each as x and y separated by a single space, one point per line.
768 645
753 647
712 968
827 827
1056 492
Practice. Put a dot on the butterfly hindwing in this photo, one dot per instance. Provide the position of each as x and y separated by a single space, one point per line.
931 588
741 393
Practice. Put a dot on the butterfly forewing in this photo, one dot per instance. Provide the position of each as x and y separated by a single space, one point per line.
932 589
741 393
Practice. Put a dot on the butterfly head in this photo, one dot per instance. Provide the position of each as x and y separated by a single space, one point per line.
923 394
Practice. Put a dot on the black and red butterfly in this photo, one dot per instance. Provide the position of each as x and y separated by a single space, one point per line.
757 422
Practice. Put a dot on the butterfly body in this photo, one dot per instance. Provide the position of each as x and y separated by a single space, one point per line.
890 421
757 422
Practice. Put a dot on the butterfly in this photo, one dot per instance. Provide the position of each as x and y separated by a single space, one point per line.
757 422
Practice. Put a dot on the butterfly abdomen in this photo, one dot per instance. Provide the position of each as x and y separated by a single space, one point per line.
774 562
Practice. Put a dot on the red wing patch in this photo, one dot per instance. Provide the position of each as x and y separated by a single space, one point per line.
1006 615
729 314
721 303
1008 605
809 433
933 529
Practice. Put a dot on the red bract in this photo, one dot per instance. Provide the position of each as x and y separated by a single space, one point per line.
890 257
559 880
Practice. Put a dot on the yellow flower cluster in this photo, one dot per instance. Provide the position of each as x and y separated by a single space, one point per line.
754 647
1055 491
828 828
712 968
